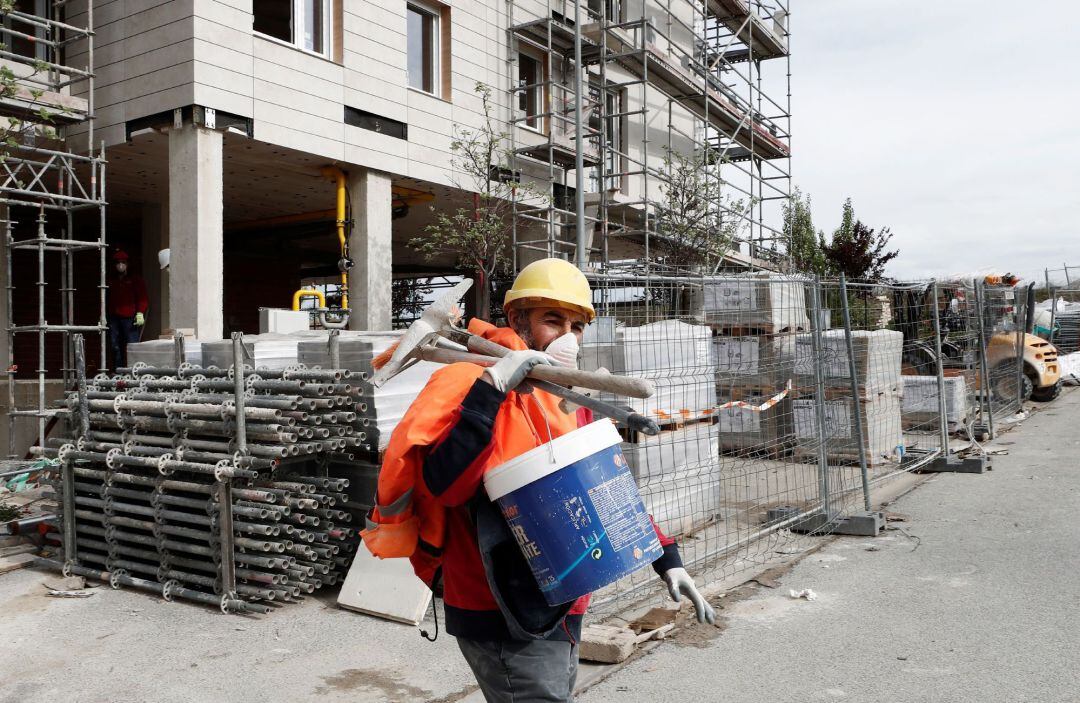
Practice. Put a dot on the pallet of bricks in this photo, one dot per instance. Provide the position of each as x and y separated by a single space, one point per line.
878 355
166 500
670 466
754 322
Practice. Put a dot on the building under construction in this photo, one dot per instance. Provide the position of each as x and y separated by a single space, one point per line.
275 146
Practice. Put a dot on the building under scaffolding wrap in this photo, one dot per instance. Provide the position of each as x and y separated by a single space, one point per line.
53 200
664 83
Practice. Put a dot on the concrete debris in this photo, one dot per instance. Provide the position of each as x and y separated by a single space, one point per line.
68 594
805 593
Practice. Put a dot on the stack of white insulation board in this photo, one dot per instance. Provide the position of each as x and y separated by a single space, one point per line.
921 406
878 357
161 353
384 406
678 475
765 303
883 435
261 351
674 355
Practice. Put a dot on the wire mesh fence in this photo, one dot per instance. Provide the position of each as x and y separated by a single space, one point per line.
780 398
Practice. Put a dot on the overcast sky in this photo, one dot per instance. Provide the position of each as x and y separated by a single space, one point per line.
956 123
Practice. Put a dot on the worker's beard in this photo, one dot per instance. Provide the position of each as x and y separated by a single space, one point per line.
524 330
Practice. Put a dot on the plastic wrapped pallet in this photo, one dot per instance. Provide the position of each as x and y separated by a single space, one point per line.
598 344
685 502
771 304
883 436
270 351
756 426
665 348
677 398
878 359
760 360
672 451
161 353
921 406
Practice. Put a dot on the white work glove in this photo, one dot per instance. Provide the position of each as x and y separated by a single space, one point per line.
512 369
680 583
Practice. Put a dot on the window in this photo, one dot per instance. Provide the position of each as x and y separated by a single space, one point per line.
302 23
21 45
530 90
423 46
611 125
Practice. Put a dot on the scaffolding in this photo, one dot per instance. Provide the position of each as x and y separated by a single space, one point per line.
704 80
48 50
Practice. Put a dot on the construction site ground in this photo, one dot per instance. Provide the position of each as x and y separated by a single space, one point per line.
969 598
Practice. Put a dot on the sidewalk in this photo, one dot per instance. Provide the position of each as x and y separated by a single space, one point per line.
977 602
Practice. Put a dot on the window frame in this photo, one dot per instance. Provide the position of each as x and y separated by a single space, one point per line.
536 121
297 26
433 15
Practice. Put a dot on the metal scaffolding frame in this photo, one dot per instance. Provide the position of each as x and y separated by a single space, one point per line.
683 76
41 174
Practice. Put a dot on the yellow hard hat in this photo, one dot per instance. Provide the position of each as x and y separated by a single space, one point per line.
551 282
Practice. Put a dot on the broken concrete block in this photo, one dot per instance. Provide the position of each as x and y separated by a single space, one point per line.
606 644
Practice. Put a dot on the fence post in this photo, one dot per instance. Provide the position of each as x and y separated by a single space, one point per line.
1019 349
819 396
943 408
984 373
855 404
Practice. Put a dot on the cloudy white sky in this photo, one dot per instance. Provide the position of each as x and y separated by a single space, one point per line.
955 122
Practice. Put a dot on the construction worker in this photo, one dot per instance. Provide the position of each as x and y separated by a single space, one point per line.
126 309
465 422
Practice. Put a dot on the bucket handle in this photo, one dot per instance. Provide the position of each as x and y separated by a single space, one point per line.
547 426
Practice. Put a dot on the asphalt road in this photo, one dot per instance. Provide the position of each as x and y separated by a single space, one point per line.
977 599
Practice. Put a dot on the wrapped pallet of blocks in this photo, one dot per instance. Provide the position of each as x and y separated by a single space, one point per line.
674 355
678 475
921 407
765 361
161 353
765 303
883 436
878 356
755 424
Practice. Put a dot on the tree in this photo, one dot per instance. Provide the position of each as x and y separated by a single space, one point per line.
697 222
857 251
479 236
805 244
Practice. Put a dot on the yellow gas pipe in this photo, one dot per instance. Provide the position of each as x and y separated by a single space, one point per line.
338 176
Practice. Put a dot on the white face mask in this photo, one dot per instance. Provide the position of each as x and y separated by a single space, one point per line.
564 350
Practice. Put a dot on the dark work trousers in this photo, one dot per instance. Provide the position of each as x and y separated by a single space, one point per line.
513 672
122 332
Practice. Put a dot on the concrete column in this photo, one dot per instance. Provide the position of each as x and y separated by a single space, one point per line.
370 248
155 236
195 231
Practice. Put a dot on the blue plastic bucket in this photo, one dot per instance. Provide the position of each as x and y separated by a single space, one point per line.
579 519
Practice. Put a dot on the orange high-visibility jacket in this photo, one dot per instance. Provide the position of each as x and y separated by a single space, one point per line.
407 520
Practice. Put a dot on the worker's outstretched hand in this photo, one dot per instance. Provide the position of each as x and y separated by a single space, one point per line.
679 584
140 319
513 368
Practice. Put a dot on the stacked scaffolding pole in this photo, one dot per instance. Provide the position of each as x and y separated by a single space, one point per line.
209 484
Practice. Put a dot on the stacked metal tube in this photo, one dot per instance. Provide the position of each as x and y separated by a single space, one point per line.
169 487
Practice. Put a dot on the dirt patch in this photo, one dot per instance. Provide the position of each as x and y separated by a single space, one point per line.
395 690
